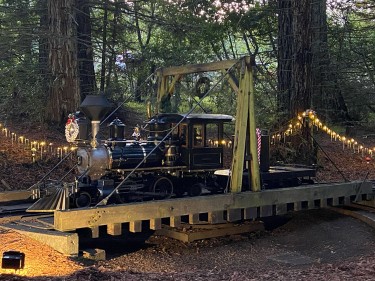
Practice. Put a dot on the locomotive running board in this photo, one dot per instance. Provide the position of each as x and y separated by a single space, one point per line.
58 200
218 208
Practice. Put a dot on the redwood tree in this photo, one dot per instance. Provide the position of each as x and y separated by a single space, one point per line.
64 94
85 50
295 69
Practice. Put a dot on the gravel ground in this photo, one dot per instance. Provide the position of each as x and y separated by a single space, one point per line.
311 245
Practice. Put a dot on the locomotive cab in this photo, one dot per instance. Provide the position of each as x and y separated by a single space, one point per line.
196 142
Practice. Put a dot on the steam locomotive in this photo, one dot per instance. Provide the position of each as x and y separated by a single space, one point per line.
179 156
182 154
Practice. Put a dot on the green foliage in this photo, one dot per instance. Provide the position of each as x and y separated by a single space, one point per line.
352 38
163 33
22 90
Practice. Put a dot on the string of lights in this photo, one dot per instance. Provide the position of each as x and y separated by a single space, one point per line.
39 149
310 118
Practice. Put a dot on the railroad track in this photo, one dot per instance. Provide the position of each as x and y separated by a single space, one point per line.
363 211
17 212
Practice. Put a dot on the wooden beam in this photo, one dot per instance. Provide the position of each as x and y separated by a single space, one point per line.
254 164
196 68
265 211
135 226
155 224
281 209
250 213
94 231
234 215
232 82
239 143
199 234
175 221
216 217
162 89
114 229
88 217
193 218
173 84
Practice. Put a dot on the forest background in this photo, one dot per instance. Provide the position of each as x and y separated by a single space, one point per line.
310 54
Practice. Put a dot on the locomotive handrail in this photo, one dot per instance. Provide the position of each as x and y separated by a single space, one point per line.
64 176
104 201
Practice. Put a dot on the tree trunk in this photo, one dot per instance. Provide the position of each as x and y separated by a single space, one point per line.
112 55
285 54
85 50
104 46
295 72
301 79
43 46
64 96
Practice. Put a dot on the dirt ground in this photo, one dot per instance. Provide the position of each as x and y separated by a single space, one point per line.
309 245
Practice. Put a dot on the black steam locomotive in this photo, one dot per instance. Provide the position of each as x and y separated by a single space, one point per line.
182 154
179 155
184 162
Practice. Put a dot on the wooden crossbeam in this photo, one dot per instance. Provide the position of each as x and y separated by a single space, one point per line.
196 68
105 215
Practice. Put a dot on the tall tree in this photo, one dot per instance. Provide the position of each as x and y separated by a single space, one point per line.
301 80
294 56
295 70
64 95
85 50
284 58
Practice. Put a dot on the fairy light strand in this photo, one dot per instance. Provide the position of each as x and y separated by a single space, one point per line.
295 125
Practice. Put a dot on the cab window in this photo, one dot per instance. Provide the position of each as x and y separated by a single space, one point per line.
198 135
183 134
212 135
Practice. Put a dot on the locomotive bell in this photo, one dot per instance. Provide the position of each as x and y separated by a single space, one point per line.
95 107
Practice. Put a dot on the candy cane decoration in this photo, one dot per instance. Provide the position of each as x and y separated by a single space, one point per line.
259 139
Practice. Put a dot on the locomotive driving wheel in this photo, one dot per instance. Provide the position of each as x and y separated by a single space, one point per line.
83 199
162 188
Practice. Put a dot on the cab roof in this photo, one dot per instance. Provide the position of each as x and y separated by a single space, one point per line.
166 118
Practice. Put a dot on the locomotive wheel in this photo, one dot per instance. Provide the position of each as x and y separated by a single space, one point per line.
195 190
179 191
163 187
83 200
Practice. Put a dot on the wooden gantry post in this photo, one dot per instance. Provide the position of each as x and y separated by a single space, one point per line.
245 141
245 131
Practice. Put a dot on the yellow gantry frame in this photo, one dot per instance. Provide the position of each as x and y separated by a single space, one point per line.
245 130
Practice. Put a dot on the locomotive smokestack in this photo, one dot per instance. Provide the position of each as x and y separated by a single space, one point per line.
95 107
